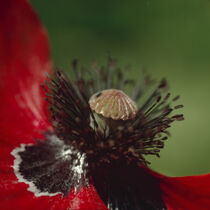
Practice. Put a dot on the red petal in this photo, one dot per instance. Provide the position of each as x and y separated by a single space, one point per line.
185 193
86 199
24 60
188 193
14 195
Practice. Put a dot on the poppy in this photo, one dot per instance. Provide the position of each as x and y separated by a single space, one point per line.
80 144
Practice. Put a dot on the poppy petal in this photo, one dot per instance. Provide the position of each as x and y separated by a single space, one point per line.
24 60
184 193
16 195
19 198
189 192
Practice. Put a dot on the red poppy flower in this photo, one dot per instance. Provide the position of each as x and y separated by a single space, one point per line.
68 158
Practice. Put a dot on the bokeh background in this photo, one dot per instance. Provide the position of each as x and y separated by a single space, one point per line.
169 38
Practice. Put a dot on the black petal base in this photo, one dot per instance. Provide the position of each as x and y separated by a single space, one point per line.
127 187
52 166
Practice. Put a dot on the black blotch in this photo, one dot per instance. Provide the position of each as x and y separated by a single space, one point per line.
45 166
127 187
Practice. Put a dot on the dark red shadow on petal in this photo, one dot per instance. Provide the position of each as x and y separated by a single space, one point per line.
24 60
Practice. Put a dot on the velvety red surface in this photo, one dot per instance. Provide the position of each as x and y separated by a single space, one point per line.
24 60
190 192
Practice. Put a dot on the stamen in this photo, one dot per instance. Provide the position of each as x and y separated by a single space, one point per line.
105 139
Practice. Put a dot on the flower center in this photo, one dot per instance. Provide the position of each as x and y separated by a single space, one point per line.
100 138
109 126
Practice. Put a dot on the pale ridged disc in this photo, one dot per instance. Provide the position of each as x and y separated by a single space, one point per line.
113 104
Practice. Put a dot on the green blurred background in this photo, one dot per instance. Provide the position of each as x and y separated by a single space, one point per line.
169 38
